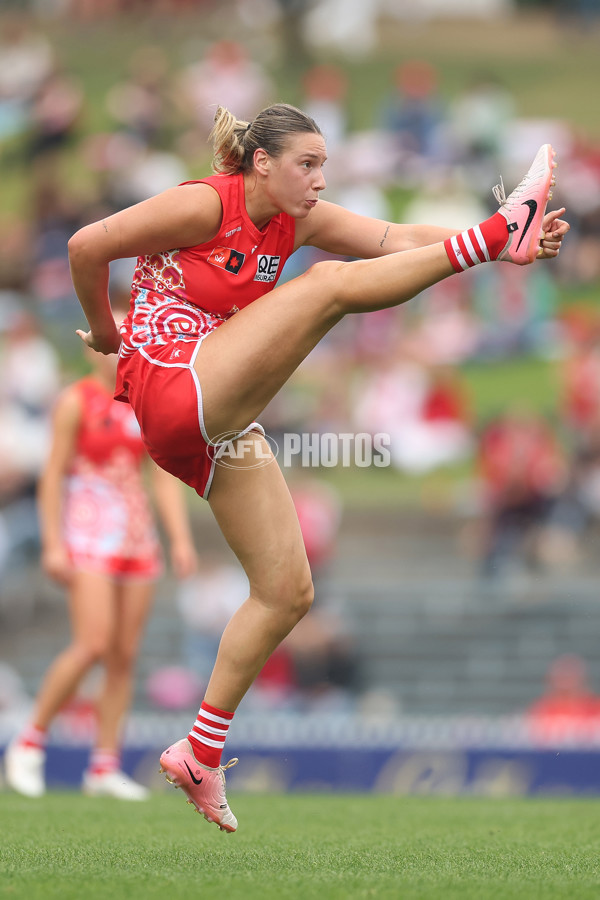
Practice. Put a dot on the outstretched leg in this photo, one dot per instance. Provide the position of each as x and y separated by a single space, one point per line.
245 362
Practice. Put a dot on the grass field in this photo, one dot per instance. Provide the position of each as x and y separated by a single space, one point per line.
301 847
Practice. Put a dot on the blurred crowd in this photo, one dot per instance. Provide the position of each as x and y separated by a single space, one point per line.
427 157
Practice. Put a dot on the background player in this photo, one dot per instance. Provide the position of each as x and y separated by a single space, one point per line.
99 540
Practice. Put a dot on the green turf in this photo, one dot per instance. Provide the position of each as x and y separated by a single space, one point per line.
302 847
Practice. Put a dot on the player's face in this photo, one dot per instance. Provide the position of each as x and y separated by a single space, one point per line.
296 177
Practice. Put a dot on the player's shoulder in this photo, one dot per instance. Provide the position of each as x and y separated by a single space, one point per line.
194 192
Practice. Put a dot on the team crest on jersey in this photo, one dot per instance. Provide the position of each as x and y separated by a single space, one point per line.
267 267
226 258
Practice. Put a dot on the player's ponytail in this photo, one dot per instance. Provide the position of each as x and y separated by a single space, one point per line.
234 141
227 137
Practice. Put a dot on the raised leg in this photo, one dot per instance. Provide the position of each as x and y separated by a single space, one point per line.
245 362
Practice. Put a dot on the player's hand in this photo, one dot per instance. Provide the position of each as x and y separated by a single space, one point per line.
105 344
57 565
184 559
553 231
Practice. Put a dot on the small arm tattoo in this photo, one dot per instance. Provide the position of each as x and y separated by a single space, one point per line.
384 237
105 226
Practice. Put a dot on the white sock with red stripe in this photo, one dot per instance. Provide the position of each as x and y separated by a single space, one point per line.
207 737
32 736
104 761
483 243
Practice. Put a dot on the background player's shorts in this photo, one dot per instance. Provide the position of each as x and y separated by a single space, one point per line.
164 391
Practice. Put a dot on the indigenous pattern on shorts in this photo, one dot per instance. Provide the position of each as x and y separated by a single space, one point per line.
160 313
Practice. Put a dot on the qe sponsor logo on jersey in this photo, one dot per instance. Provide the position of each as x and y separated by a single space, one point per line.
266 267
228 259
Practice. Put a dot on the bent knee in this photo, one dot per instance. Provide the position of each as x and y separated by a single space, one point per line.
305 594
122 659
300 596
90 653
290 595
326 276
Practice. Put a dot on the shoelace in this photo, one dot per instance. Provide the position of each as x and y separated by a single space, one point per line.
499 192
232 762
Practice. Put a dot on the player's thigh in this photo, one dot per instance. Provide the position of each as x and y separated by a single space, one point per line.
254 509
245 362
92 610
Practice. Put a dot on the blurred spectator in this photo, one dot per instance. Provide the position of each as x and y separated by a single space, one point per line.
143 171
349 28
569 710
55 113
446 331
580 193
423 409
584 15
581 387
517 308
578 505
325 97
141 103
29 382
319 512
576 508
26 60
445 198
206 602
479 124
321 646
522 470
225 77
15 251
413 113
55 216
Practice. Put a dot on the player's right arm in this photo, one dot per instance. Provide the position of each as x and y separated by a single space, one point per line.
65 424
182 216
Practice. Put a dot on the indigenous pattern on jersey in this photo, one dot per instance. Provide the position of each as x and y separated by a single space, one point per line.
108 524
184 294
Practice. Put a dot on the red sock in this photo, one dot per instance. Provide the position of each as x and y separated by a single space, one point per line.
104 761
207 737
483 243
32 736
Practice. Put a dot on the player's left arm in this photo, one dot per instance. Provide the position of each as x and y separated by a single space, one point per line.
338 230
553 231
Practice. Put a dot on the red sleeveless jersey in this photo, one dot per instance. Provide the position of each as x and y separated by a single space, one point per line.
185 293
108 432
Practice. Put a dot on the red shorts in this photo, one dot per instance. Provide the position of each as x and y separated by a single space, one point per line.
163 388
117 568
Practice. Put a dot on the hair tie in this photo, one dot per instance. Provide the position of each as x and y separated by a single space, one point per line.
248 127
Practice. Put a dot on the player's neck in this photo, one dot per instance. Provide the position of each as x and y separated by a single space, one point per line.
259 207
